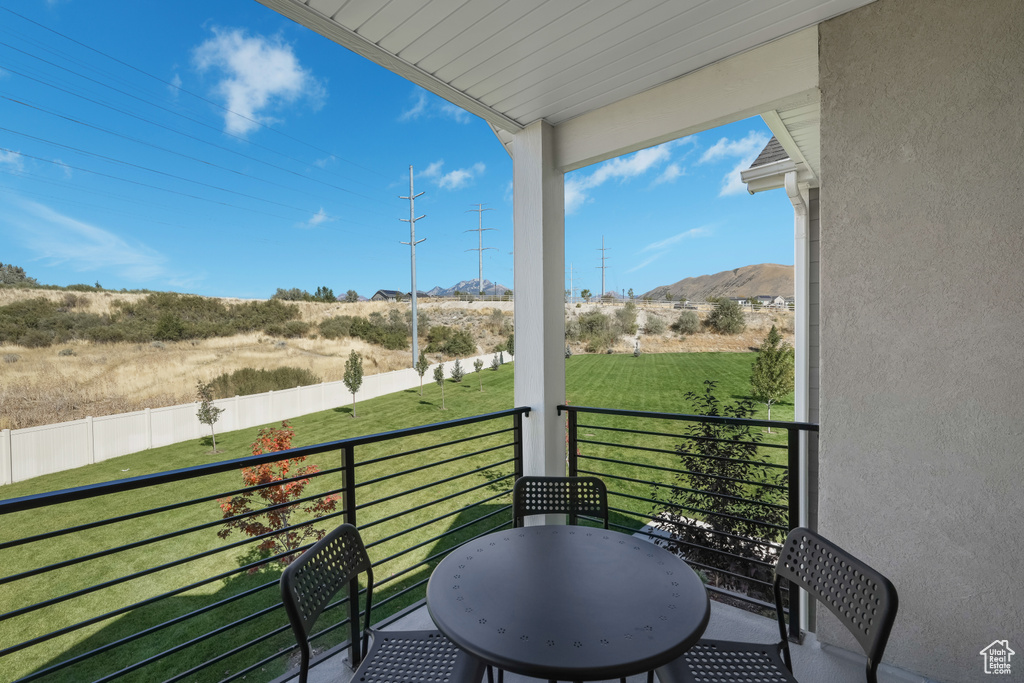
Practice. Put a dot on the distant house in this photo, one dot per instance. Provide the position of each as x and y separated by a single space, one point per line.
387 295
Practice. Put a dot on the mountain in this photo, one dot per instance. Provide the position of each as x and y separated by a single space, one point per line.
764 278
471 287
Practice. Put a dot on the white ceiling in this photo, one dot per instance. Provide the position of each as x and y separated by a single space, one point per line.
515 62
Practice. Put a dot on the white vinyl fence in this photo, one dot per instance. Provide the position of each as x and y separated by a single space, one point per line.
31 452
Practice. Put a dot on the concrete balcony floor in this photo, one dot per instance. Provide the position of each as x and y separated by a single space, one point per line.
812 661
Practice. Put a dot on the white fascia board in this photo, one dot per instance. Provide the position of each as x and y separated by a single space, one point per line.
310 18
774 76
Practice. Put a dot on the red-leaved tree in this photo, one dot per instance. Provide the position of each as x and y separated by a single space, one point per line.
275 522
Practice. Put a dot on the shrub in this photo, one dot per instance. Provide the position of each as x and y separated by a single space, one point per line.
727 318
336 327
66 352
722 475
290 329
248 381
625 319
450 341
11 358
35 339
655 324
686 323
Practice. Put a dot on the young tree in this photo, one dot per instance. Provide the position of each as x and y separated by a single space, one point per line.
478 365
351 297
208 413
586 295
439 379
457 372
772 372
727 480
495 363
272 526
422 364
353 377
510 344
325 293
630 293
727 318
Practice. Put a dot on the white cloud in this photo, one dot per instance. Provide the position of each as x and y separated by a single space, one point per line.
460 177
427 105
621 169
257 75
323 163
728 149
316 219
67 169
661 247
745 150
12 160
175 85
61 239
671 172
432 171
453 180
679 237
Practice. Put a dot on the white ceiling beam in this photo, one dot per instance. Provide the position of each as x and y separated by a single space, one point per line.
307 16
775 76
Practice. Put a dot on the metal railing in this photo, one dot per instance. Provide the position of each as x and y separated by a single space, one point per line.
719 491
130 580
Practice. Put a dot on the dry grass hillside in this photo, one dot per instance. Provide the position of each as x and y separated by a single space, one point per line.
69 381
763 278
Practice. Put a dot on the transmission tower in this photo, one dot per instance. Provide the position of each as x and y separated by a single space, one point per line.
481 249
572 288
411 220
602 266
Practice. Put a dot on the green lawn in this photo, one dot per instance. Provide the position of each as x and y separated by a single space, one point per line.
654 382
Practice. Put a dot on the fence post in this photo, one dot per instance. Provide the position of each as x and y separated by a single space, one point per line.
796 596
6 456
517 450
91 440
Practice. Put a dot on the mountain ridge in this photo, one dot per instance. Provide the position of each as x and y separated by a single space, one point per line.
747 281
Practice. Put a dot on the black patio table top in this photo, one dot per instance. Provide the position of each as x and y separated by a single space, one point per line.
567 602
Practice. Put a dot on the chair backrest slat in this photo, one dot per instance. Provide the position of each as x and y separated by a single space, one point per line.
586 496
863 600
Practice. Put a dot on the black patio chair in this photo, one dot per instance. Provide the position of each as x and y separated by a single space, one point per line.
334 562
574 496
863 600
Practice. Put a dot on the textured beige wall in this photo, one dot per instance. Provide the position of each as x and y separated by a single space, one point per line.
922 336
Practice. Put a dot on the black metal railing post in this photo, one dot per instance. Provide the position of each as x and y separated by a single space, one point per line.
348 482
796 597
573 444
517 449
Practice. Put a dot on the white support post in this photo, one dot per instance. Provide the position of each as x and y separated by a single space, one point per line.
801 329
539 219
6 457
91 439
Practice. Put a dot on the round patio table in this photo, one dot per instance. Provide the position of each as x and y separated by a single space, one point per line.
568 603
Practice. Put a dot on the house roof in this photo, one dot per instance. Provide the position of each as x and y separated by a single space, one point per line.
515 63
388 292
772 152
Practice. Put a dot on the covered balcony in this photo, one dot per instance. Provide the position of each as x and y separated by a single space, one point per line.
901 124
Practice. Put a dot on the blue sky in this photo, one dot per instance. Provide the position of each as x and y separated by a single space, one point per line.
220 149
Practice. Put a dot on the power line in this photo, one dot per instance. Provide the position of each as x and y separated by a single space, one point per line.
188 92
481 249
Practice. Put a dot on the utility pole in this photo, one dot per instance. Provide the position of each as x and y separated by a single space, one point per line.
412 247
602 266
481 249
572 289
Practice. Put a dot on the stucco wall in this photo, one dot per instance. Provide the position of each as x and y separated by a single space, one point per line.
922 335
